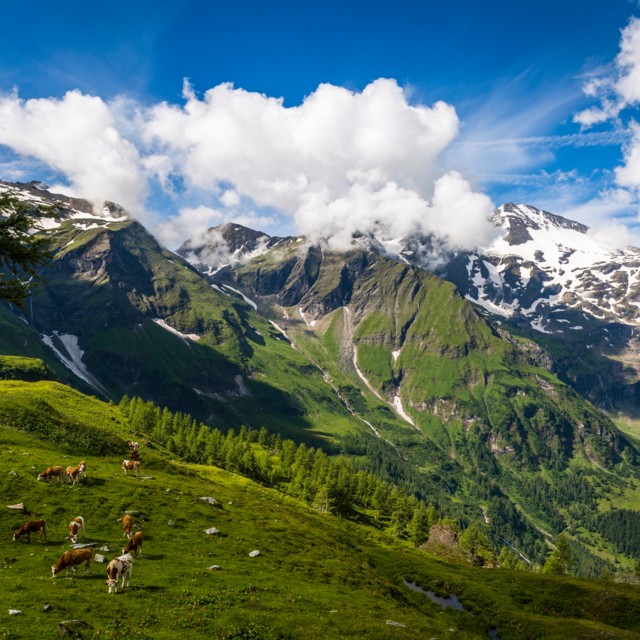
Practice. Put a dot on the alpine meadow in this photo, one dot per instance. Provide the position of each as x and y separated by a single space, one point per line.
340 340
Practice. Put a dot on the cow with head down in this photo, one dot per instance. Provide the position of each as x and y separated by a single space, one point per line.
70 559
134 544
32 526
52 472
76 526
119 567
127 524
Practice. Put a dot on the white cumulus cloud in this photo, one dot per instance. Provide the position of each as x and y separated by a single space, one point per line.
77 135
628 62
619 98
620 89
189 223
628 175
339 163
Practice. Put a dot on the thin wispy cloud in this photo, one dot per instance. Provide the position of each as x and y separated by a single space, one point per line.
576 140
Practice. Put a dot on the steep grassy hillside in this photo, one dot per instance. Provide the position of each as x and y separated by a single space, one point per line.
317 576
118 314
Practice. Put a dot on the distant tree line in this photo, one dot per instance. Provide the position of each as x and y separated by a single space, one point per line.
331 484
367 480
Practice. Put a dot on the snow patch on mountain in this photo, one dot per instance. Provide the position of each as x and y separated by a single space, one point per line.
74 360
185 336
399 409
245 298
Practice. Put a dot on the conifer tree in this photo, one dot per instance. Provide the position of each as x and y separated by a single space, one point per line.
560 562
418 527
22 252
474 541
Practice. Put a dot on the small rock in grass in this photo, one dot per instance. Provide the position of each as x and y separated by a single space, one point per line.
212 531
209 500
14 473
214 567
46 607
171 523
395 624
14 612
70 627
99 558
104 548
253 554
170 490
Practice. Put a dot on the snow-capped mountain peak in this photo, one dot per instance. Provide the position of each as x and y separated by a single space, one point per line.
545 264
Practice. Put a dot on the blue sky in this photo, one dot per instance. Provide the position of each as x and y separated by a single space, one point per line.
513 74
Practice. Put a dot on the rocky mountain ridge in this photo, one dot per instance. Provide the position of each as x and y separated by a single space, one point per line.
547 276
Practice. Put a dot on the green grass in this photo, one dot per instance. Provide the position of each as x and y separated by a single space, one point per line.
318 576
21 368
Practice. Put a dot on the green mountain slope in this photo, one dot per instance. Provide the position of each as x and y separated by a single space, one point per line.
478 406
424 351
129 317
317 576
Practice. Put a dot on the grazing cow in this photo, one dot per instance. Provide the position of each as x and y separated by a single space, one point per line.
128 465
70 559
52 472
134 544
75 473
75 526
127 522
134 446
33 526
119 567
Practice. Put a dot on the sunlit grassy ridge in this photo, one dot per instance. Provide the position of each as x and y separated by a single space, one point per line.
317 576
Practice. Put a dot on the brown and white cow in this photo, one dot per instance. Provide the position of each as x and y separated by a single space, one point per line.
75 473
32 526
127 523
70 559
129 465
119 567
134 544
75 526
135 453
52 472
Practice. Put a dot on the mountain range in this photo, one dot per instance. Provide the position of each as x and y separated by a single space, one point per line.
456 373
